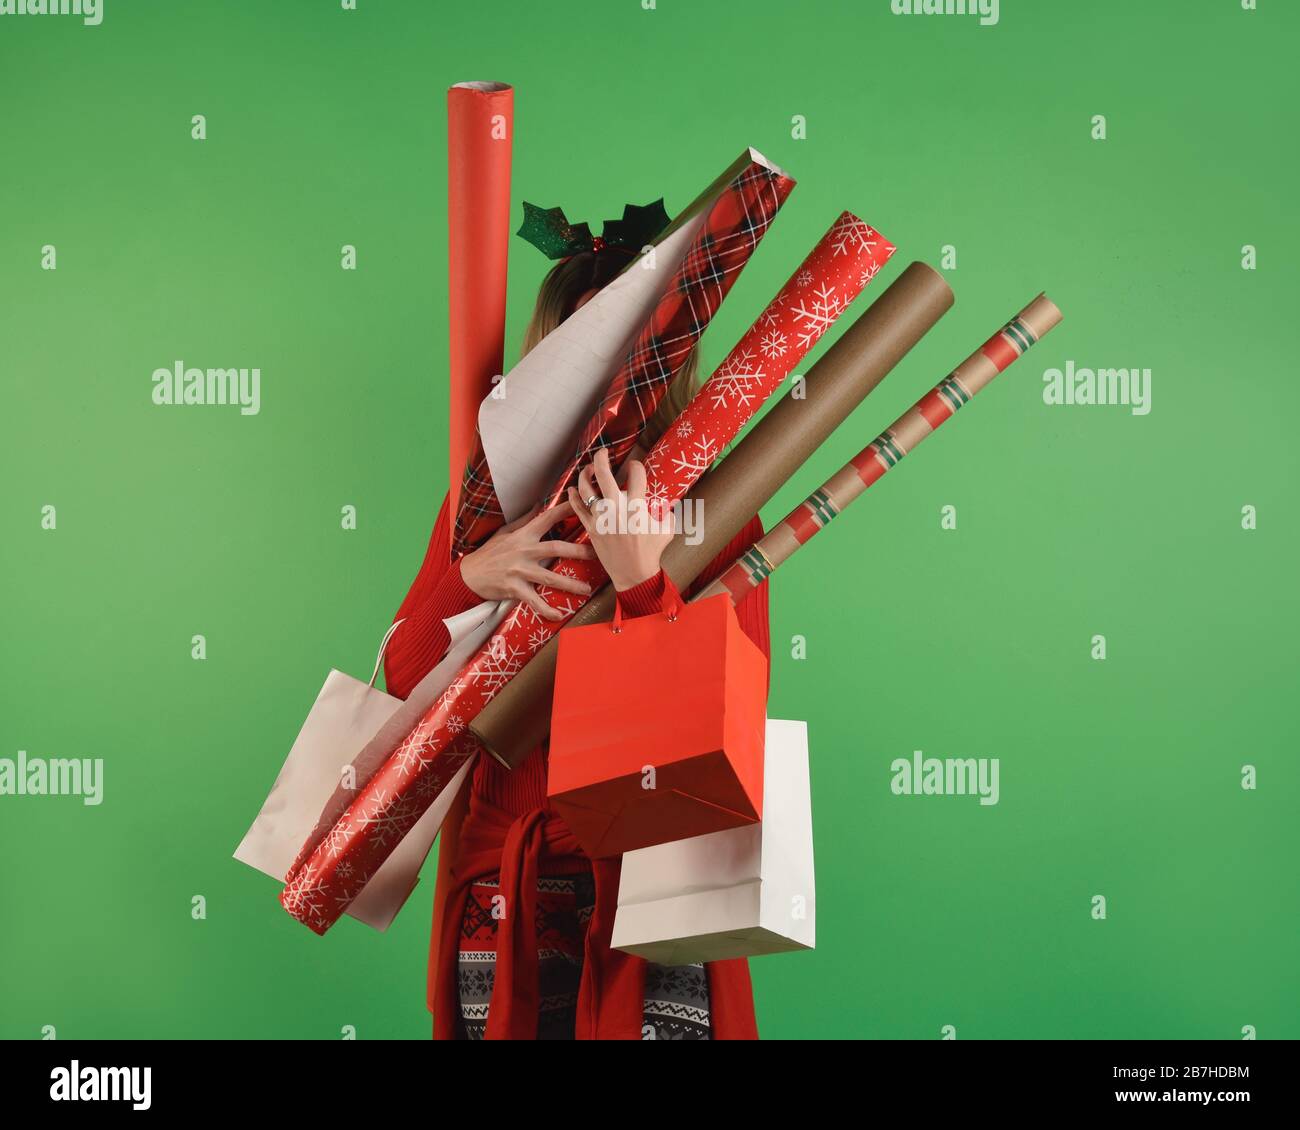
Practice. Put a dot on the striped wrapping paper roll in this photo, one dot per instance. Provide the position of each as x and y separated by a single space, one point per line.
939 404
397 795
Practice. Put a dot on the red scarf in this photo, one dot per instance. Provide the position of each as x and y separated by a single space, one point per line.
612 990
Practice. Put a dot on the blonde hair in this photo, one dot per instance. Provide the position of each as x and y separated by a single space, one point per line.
557 298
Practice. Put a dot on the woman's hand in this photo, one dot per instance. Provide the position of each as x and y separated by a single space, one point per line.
627 539
509 564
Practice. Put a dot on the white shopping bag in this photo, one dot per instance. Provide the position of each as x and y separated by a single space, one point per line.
353 724
739 893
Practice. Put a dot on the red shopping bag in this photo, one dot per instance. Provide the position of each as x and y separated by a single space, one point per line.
657 727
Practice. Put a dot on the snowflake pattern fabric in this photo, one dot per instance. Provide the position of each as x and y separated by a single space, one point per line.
676 1000
564 906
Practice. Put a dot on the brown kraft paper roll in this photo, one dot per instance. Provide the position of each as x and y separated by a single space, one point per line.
518 719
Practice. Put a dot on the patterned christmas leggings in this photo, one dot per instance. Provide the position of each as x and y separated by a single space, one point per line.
676 997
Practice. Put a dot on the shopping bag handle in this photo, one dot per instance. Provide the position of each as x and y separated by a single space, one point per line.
670 602
383 647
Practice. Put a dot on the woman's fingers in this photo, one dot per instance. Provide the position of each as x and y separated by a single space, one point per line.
636 479
588 492
580 507
582 552
637 452
605 475
531 597
541 576
544 520
523 519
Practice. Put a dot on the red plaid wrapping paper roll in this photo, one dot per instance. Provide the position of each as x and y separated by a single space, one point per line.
735 223
885 451
388 806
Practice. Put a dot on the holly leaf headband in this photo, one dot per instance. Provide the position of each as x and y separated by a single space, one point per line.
556 238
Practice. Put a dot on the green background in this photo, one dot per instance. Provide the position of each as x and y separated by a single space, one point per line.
1119 777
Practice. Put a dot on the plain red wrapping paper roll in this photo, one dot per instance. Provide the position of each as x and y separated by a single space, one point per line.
480 132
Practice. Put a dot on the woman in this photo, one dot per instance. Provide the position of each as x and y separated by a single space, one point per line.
548 972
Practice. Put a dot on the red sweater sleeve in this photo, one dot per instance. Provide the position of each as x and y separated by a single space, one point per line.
437 592
643 599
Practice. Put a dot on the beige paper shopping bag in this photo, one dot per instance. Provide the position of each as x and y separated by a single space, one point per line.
349 725
736 893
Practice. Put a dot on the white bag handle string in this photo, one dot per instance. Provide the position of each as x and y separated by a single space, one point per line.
383 646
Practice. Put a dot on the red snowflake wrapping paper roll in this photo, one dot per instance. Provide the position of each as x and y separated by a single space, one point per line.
834 273
847 258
